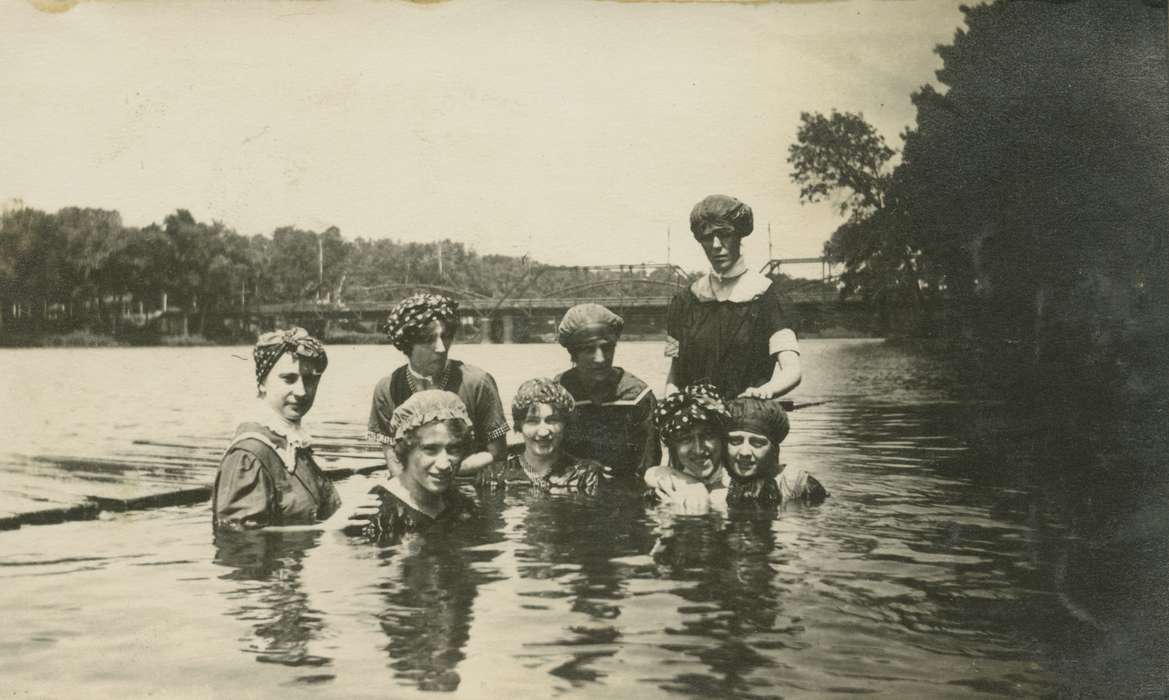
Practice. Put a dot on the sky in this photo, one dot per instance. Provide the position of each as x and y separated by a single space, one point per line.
577 132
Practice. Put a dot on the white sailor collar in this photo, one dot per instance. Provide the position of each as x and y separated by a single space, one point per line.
738 284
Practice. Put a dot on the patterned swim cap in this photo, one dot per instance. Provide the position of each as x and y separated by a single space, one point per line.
296 341
696 404
414 313
538 391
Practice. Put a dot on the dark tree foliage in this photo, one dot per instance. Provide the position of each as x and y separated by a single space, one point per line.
1032 192
842 158
1040 173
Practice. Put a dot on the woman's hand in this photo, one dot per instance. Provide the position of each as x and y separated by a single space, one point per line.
758 392
475 463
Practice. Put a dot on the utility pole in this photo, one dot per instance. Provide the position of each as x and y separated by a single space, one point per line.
320 266
440 259
770 255
667 244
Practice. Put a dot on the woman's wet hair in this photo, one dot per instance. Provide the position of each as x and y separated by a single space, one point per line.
721 212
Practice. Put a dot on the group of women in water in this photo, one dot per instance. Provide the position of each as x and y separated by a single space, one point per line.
594 428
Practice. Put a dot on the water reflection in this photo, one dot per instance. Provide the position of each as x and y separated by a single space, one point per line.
731 620
428 585
270 594
572 584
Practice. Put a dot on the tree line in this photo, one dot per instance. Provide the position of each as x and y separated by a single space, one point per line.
1030 200
83 268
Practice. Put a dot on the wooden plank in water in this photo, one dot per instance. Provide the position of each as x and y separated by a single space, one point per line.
32 500
50 489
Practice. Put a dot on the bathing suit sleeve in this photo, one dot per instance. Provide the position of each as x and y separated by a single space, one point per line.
245 498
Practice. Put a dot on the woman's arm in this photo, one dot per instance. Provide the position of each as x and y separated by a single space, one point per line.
244 496
785 376
671 380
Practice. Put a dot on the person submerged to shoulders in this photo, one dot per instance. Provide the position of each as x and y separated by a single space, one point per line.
692 423
613 421
267 475
757 478
431 434
541 411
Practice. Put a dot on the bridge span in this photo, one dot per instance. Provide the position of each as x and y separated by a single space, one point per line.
815 305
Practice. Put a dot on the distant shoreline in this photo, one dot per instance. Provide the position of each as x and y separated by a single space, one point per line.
86 339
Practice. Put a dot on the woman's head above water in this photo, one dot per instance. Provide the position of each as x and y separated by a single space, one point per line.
693 424
754 432
432 434
289 364
540 412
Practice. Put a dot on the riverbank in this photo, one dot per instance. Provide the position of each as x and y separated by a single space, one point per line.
87 339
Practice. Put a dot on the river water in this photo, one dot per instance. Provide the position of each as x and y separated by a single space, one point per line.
926 574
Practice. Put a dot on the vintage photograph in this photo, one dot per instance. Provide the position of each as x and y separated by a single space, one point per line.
584 349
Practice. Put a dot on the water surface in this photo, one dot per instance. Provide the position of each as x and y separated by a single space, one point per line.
924 575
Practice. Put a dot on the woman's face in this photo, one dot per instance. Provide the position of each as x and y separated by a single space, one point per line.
543 430
750 454
699 451
722 248
594 358
434 463
428 355
291 387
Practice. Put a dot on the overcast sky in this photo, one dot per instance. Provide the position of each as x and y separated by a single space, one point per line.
577 132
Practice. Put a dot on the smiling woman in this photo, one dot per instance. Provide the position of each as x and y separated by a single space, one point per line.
267 475
432 435
542 411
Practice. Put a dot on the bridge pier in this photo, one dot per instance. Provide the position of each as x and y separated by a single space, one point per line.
507 331
485 330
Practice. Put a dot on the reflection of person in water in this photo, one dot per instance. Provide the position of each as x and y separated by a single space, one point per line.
733 564
754 433
268 475
431 434
571 547
542 411
427 618
268 566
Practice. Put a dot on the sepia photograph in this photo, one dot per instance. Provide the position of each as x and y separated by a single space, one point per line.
584 349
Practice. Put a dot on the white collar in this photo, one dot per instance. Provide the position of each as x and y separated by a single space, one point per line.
294 433
736 270
737 284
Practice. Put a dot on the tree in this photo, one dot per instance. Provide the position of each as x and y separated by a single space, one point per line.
1038 173
841 157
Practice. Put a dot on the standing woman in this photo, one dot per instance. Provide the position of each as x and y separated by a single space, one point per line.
432 435
268 475
728 328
